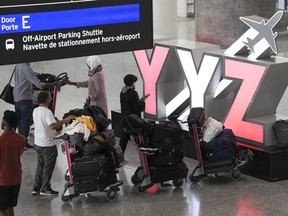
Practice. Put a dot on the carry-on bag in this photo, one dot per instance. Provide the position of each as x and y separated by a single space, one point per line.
165 158
166 138
94 165
160 174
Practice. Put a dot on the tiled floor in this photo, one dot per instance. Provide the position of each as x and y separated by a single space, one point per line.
211 197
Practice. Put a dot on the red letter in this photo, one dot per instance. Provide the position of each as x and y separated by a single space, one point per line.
251 75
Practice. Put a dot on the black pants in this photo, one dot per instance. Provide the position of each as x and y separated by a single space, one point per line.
45 166
125 137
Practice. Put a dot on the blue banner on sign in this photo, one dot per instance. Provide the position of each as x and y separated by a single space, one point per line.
40 21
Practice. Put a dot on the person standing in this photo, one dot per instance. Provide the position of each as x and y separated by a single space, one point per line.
130 104
45 144
95 84
25 78
11 149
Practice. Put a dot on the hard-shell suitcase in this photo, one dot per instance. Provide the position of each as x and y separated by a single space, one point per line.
160 174
95 183
165 158
93 165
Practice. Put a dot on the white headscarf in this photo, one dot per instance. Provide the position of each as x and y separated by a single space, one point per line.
93 62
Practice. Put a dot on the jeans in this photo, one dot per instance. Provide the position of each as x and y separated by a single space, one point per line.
45 166
24 109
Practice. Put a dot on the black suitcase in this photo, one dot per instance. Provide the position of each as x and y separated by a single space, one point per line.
112 156
93 165
95 183
165 158
160 174
166 138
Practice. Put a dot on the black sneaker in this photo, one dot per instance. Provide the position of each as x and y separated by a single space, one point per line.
49 193
35 192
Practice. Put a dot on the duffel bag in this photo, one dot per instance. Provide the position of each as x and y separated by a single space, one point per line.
135 125
221 147
166 138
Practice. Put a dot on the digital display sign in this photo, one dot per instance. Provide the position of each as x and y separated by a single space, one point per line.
53 30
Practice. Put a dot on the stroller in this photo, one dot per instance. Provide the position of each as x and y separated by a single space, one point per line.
159 153
196 120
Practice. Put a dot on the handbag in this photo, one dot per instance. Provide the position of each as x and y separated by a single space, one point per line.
280 128
7 93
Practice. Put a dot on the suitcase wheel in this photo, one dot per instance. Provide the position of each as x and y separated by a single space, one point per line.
111 195
141 189
177 182
66 176
66 199
235 174
135 180
194 179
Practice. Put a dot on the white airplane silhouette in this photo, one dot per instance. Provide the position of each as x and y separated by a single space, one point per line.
264 29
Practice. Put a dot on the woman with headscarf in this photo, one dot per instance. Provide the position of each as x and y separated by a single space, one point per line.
95 84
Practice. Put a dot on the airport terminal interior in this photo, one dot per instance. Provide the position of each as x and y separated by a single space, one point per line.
212 196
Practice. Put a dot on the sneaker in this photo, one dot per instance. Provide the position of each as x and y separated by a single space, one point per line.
35 192
49 193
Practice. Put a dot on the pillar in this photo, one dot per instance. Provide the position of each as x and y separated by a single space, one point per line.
217 21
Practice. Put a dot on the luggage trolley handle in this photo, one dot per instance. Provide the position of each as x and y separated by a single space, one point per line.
66 146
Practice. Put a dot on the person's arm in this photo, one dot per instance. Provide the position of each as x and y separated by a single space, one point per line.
137 103
58 124
83 84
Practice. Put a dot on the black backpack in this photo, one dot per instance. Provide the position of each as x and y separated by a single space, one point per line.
135 126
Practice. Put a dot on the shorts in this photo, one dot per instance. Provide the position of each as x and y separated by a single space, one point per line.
9 196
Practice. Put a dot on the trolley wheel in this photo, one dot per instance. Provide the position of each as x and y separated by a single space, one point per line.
66 176
66 199
135 180
177 182
236 174
111 195
141 189
194 179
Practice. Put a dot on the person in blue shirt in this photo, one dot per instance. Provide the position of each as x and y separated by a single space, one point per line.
25 78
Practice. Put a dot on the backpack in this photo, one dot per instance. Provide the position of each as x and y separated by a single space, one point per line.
135 126
100 118
280 128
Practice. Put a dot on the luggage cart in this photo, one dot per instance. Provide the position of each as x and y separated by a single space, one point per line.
204 168
142 177
104 182
147 175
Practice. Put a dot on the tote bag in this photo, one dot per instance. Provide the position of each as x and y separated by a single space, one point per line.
7 93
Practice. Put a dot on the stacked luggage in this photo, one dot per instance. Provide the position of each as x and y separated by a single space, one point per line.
92 166
220 154
160 152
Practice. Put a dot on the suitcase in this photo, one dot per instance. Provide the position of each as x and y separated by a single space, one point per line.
160 174
93 165
95 183
112 156
166 138
165 158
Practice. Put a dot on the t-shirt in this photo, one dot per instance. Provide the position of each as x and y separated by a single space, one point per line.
11 149
43 135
